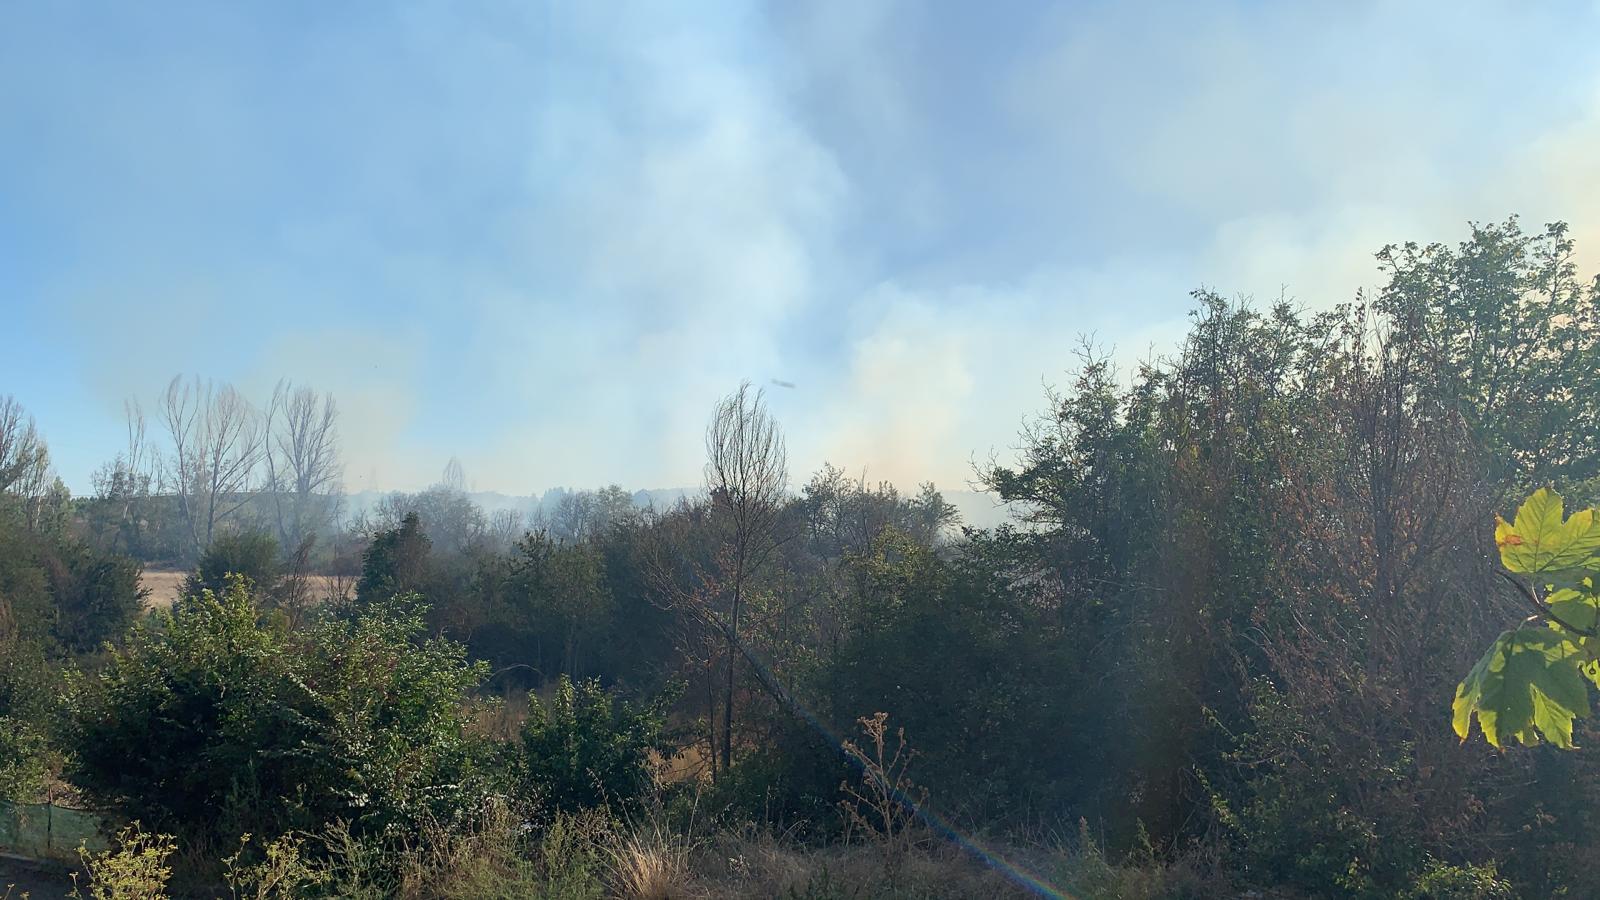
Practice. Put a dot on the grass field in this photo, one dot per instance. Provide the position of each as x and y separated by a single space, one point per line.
165 585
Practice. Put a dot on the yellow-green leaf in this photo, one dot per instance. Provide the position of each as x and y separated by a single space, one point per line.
1528 685
1569 606
1540 540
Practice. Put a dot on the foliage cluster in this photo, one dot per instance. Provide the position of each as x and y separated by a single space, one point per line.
60 600
585 749
211 723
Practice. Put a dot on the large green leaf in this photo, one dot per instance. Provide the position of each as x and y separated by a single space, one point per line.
1528 684
1539 539
1577 608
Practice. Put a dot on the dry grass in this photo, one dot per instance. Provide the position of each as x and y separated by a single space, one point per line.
755 865
166 586
650 863
591 856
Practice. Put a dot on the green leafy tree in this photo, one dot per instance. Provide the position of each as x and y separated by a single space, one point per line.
559 588
947 648
396 562
1508 336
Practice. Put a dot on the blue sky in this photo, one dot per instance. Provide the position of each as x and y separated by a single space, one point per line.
544 237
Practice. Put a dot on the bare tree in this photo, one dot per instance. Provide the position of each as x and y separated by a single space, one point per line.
573 516
582 515
746 473
302 460
19 454
505 527
216 448
22 451
294 594
455 478
25 470
44 496
126 481
139 456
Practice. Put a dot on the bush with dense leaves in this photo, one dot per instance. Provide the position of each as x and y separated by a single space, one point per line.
213 723
58 599
253 554
585 748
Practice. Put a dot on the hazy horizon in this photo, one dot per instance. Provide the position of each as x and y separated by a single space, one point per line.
546 240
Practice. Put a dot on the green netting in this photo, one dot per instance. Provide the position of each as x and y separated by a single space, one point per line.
72 828
25 828
47 831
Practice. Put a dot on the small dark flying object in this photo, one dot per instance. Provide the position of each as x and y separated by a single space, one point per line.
782 384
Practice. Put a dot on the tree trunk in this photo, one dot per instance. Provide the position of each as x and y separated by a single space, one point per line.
733 659
711 712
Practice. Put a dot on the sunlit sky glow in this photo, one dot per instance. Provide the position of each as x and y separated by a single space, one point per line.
544 237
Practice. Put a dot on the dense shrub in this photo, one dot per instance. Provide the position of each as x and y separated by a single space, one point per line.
960 660
59 593
24 759
58 599
396 561
97 599
29 692
586 748
252 554
213 724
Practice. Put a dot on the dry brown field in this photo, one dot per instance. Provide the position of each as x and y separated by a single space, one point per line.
166 584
